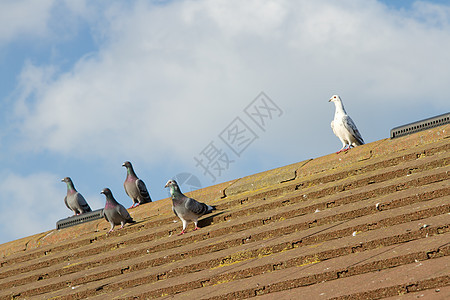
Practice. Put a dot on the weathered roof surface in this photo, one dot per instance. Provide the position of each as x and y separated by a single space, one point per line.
370 223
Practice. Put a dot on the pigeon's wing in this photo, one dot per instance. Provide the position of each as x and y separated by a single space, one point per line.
143 190
124 213
351 127
67 204
196 207
104 215
82 203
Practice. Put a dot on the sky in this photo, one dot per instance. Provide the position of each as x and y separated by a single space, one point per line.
200 91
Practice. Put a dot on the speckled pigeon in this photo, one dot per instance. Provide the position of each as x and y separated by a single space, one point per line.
185 208
344 127
114 212
135 187
74 200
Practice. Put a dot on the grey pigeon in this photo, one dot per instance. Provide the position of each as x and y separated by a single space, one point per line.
114 212
135 187
344 127
185 208
74 200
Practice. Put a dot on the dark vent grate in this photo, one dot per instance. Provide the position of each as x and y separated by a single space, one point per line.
83 218
420 125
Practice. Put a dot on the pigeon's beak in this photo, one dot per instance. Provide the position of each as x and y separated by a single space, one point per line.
102 192
62 180
167 184
123 165
330 100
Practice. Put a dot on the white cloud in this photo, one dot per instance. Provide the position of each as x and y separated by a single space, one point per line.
32 204
23 17
168 78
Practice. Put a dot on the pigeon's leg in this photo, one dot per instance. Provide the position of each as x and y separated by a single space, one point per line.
343 149
112 229
184 227
134 205
195 223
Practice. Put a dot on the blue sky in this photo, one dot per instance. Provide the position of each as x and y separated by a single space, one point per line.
166 84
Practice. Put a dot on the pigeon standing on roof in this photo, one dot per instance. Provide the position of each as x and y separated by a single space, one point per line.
185 208
135 187
114 212
344 127
74 200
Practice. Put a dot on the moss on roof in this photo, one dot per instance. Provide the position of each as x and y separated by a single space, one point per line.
373 221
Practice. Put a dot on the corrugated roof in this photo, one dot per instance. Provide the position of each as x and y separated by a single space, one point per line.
369 223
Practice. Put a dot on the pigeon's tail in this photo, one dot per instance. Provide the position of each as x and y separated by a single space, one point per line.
86 208
210 208
359 141
146 200
145 197
131 221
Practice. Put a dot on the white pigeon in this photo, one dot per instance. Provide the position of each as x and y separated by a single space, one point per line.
344 127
